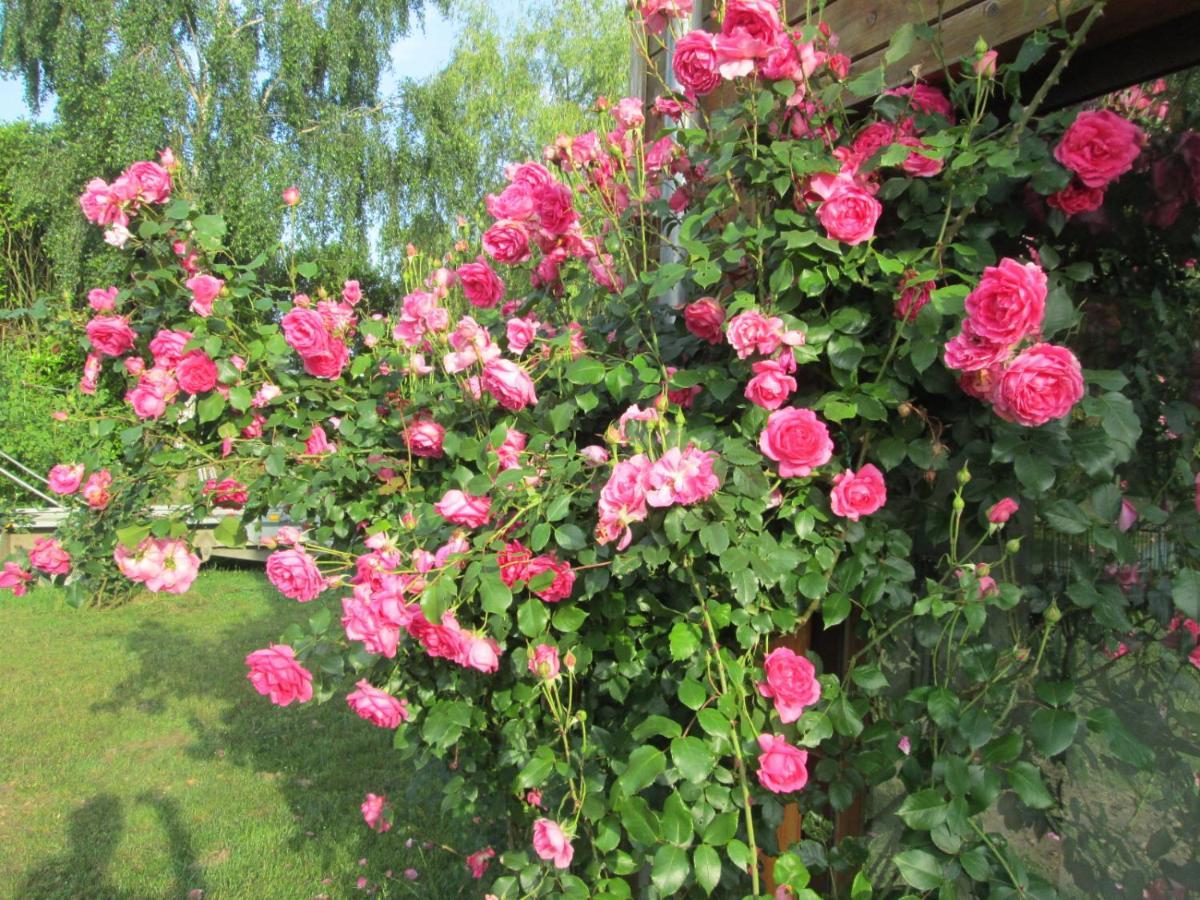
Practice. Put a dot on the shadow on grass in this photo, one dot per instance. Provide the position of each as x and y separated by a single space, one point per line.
93 833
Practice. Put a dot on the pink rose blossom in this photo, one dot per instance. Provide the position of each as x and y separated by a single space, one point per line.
857 494
985 66
513 561
275 673
295 575
15 579
771 385
167 347
551 843
1076 198
351 292
481 286
65 479
374 813
543 662
205 289
1099 147
1009 303
791 683
751 332
913 298
534 797
849 214
507 241
479 861
797 440
1127 517
291 195
704 319
1040 385
481 653
564 577
196 372
970 352
463 509
424 438
657 13
681 477
926 99
509 384
152 180
695 62
317 443
95 490
102 300
782 769
48 555
1001 511
595 455
521 333
110 335
376 706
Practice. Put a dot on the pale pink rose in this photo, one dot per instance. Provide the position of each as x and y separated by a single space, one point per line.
196 372
291 195
15 579
857 494
904 745
681 477
1099 147
458 545
543 662
374 813
985 66
91 374
704 319
695 62
509 384
521 333
1001 511
604 271
782 769
797 440
95 490
265 394
351 292
317 443
551 843
172 567
1127 517
424 438
481 653
167 347
103 300
376 706
1040 385
508 452
104 204
134 365
205 289
791 683
481 286
1009 303
152 180
970 352
656 14
849 214
275 673
629 113
564 577
595 455
458 508
738 53
507 241
758 18
295 575
771 385
110 335
305 332
65 479
751 332
49 556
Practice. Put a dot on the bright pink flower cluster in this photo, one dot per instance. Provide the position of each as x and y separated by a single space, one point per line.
295 574
15 579
319 336
518 564
376 706
228 493
275 673
65 479
782 768
111 205
679 477
160 564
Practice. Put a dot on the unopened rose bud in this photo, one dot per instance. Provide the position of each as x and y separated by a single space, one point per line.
930 476
985 66
904 410
1012 546
1053 614
291 196
964 476
1021 653
939 449
959 504
569 661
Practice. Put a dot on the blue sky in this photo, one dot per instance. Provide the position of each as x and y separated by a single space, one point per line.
419 55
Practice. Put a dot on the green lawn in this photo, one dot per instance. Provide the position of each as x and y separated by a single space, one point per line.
137 762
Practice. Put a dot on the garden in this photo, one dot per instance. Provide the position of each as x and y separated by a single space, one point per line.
777 480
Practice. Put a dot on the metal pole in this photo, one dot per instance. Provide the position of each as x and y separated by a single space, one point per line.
30 488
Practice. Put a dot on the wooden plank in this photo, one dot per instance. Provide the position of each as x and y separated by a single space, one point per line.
863 27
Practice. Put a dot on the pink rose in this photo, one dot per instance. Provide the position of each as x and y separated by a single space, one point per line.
15 579
479 861
681 477
757 18
507 241
564 577
630 113
738 53
291 195
695 62
65 479
849 214
102 300
513 561
458 508
49 556
971 352
374 813
424 438
704 319
543 662
521 333
228 493
95 489
1041 384
551 843
751 332
196 373
985 66
167 347
1001 511
926 99
771 385
376 706
1077 198
797 440
657 13
104 204
509 384
1099 147
481 653
155 389
1009 303
791 683
169 566
859 493
317 443
480 284
351 292
913 298
275 673
295 574
781 767
205 289
304 331
595 455
1127 517
110 335
153 181
555 206
328 363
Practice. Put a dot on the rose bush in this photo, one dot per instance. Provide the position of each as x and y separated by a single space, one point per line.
789 364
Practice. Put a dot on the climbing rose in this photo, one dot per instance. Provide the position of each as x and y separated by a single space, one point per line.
317 442
291 196
102 300
781 767
751 332
704 318
849 214
791 683
48 555
172 567
970 352
152 180
1077 198
521 333
16 579
196 372
295 574
564 577
110 335
373 813
695 62
550 843
913 298
304 331
509 384
376 706
1127 517
859 493
1099 147
275 673
507 242
228 493
1002 511
771 385
681 476
480 284
479 861
205 289
1009 303
424 438
458 508
797 440
351 291
514 563
65 479
1040 385
543 662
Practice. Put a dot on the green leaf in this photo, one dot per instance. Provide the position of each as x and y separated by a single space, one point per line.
670 869
791 871
835 607
708 868
943 707
211 407
684 641
1053 730
677 827
585 370
693 758
861 888
657 725
569 619
226 532
1026 780
570 537
645 765
692 694
715 538
494 595
536 771
532 618
919 869
132 535
1123 745
924 810
307 270
1034 471
638 820
1065 516
900 44
721 829
869 678
1185 592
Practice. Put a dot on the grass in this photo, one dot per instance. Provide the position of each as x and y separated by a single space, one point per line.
137 762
